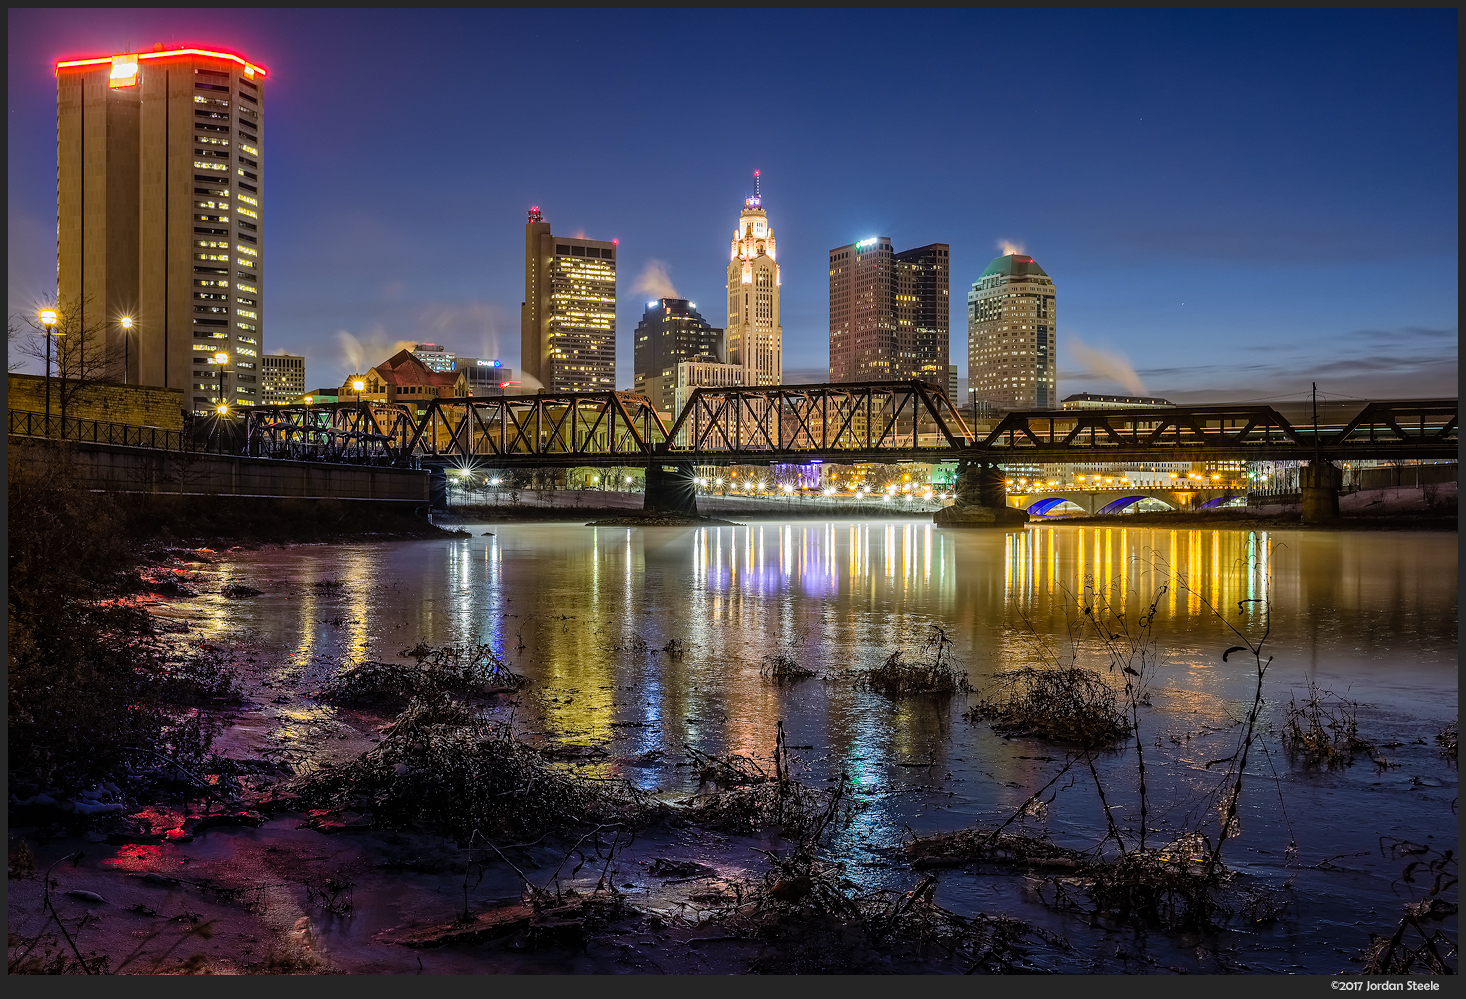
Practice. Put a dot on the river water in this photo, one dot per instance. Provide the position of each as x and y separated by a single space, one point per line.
587 613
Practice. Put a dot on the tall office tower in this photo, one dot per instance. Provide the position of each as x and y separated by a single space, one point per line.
755 340
889 312
567 321
159 214
671 330
282 378
1010 336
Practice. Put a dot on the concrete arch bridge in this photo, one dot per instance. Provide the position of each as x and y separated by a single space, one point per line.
1107 501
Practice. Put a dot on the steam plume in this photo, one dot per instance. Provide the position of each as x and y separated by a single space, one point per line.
372 349
654 282
1006 247
1106 364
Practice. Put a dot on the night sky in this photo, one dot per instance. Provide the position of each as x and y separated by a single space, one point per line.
1233 204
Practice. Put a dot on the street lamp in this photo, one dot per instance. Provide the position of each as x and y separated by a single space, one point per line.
221 359
48 319
126 323
358 385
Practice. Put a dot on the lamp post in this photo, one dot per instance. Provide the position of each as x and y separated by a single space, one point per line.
48 319
358 385
221 359
126 323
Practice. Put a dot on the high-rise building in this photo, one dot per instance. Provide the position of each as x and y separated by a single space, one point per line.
889 312
434 355
282 378
671 330
1010 336
159 213
567 321
754 339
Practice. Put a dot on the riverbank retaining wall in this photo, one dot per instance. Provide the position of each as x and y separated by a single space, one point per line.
138 405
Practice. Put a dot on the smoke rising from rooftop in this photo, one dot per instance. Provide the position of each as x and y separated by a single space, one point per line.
1106 364
363 352
1006 247
654 282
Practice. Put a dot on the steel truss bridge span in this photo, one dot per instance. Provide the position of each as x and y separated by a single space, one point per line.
848 422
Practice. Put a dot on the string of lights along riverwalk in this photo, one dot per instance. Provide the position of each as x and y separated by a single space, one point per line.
159 216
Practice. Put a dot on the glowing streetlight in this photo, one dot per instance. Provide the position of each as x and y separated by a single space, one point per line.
221 359
126 323
48 319
358 385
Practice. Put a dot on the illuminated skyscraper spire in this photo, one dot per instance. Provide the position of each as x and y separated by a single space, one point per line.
754 337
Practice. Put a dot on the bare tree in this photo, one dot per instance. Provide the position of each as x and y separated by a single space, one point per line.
78 353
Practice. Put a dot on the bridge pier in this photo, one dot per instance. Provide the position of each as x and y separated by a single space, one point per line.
1320 482
671 488
981 499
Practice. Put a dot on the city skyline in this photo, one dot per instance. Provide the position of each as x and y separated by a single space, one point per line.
1296 246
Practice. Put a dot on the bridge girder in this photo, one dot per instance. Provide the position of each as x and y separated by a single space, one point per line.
848 422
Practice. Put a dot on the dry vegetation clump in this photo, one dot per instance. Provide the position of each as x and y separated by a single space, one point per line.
813 920
1175 887
744 798
1064 705
783 669
1324 728
1420 944
1446 739
472 671
443 768
992 846
934 673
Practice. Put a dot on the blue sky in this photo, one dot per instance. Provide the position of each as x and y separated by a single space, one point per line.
1232 204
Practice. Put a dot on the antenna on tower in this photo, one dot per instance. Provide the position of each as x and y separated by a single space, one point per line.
756 192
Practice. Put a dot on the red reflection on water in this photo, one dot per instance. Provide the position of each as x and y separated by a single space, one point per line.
137 857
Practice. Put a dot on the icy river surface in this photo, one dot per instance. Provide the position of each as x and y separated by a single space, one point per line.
646 641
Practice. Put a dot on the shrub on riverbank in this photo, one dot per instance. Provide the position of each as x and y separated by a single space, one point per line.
457 672
933 673
1064 705
83 666
443 768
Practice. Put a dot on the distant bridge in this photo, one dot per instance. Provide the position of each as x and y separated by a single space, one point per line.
1106 501
795 424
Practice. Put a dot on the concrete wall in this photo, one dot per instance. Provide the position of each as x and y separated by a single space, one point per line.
139 470
139 405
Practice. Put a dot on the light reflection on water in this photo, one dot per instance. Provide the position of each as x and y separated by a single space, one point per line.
588 613
594 608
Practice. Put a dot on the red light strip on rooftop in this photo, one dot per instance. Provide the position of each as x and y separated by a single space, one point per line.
166 54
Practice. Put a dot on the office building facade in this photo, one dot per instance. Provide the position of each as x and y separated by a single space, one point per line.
160 214
889 313
671 330
486 376
567 324
754 338
434 355
282 379
1011 312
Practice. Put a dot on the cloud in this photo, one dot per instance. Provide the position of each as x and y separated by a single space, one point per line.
654 282
1103 364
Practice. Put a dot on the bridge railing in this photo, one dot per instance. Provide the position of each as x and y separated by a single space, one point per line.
28 424
1426 426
